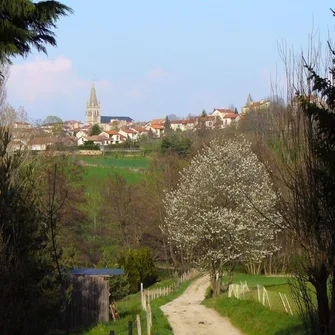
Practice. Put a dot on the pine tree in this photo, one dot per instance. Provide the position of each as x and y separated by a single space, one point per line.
167 126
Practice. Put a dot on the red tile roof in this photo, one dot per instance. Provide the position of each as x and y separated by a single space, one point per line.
157 126
112 132
230 116
221 110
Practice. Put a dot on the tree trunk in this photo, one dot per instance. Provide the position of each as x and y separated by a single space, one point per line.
332 313
323 305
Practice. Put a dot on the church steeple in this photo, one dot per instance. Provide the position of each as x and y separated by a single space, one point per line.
93 115
93 97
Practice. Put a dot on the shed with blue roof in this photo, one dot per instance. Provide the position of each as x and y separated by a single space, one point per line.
90 296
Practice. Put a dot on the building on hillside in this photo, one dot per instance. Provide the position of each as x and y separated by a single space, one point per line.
113 136
129 133
72 124
220 112
206 122
21 125
93 114
183 125
157 130
44 143
258 105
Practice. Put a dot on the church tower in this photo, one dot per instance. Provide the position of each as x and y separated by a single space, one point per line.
93 115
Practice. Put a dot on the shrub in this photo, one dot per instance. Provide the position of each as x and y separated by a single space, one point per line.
139 267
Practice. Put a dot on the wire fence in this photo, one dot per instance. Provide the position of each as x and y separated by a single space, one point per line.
277 301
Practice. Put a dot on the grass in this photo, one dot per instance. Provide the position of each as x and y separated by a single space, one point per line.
131 168
252 318
100 173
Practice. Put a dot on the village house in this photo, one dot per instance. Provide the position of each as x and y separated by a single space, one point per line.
157 130
129 133
207 122
72 124
258 105
183 125
113 136
96 139
21 125
141 131
43 143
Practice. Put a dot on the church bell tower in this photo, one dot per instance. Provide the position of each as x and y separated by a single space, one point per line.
93 115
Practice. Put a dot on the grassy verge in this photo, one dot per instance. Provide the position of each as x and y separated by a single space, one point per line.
252 318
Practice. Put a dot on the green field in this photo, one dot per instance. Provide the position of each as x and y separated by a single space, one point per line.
99 173
100 168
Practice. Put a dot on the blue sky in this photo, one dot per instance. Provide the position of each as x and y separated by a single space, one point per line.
152 58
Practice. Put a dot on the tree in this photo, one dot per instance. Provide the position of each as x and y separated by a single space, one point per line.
235 111
52 119
26 25
176 144
139 267
203 113
167 126
30 298
96 130
211 216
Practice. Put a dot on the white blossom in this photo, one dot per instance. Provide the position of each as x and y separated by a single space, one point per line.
221 209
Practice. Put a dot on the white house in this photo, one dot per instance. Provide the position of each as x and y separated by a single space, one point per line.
21 125
157 129
220 112
112 135
128 133
187 124
257 105
82 133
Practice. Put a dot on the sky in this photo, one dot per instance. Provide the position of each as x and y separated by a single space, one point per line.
150 58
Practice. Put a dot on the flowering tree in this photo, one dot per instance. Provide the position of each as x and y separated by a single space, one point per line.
213 217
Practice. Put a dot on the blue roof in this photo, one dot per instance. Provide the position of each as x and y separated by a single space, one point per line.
107 119
96 272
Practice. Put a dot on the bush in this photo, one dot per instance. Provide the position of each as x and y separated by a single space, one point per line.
139 267
176 143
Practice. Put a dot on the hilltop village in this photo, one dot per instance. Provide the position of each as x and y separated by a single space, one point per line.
102 131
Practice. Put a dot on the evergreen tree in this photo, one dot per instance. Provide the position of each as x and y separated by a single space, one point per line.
25 24
203 113
167 126
96 130
236 111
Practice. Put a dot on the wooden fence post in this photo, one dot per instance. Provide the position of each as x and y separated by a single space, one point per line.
138 322
112 332
149 320
130 327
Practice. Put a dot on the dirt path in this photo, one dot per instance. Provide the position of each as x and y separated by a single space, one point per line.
187 317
